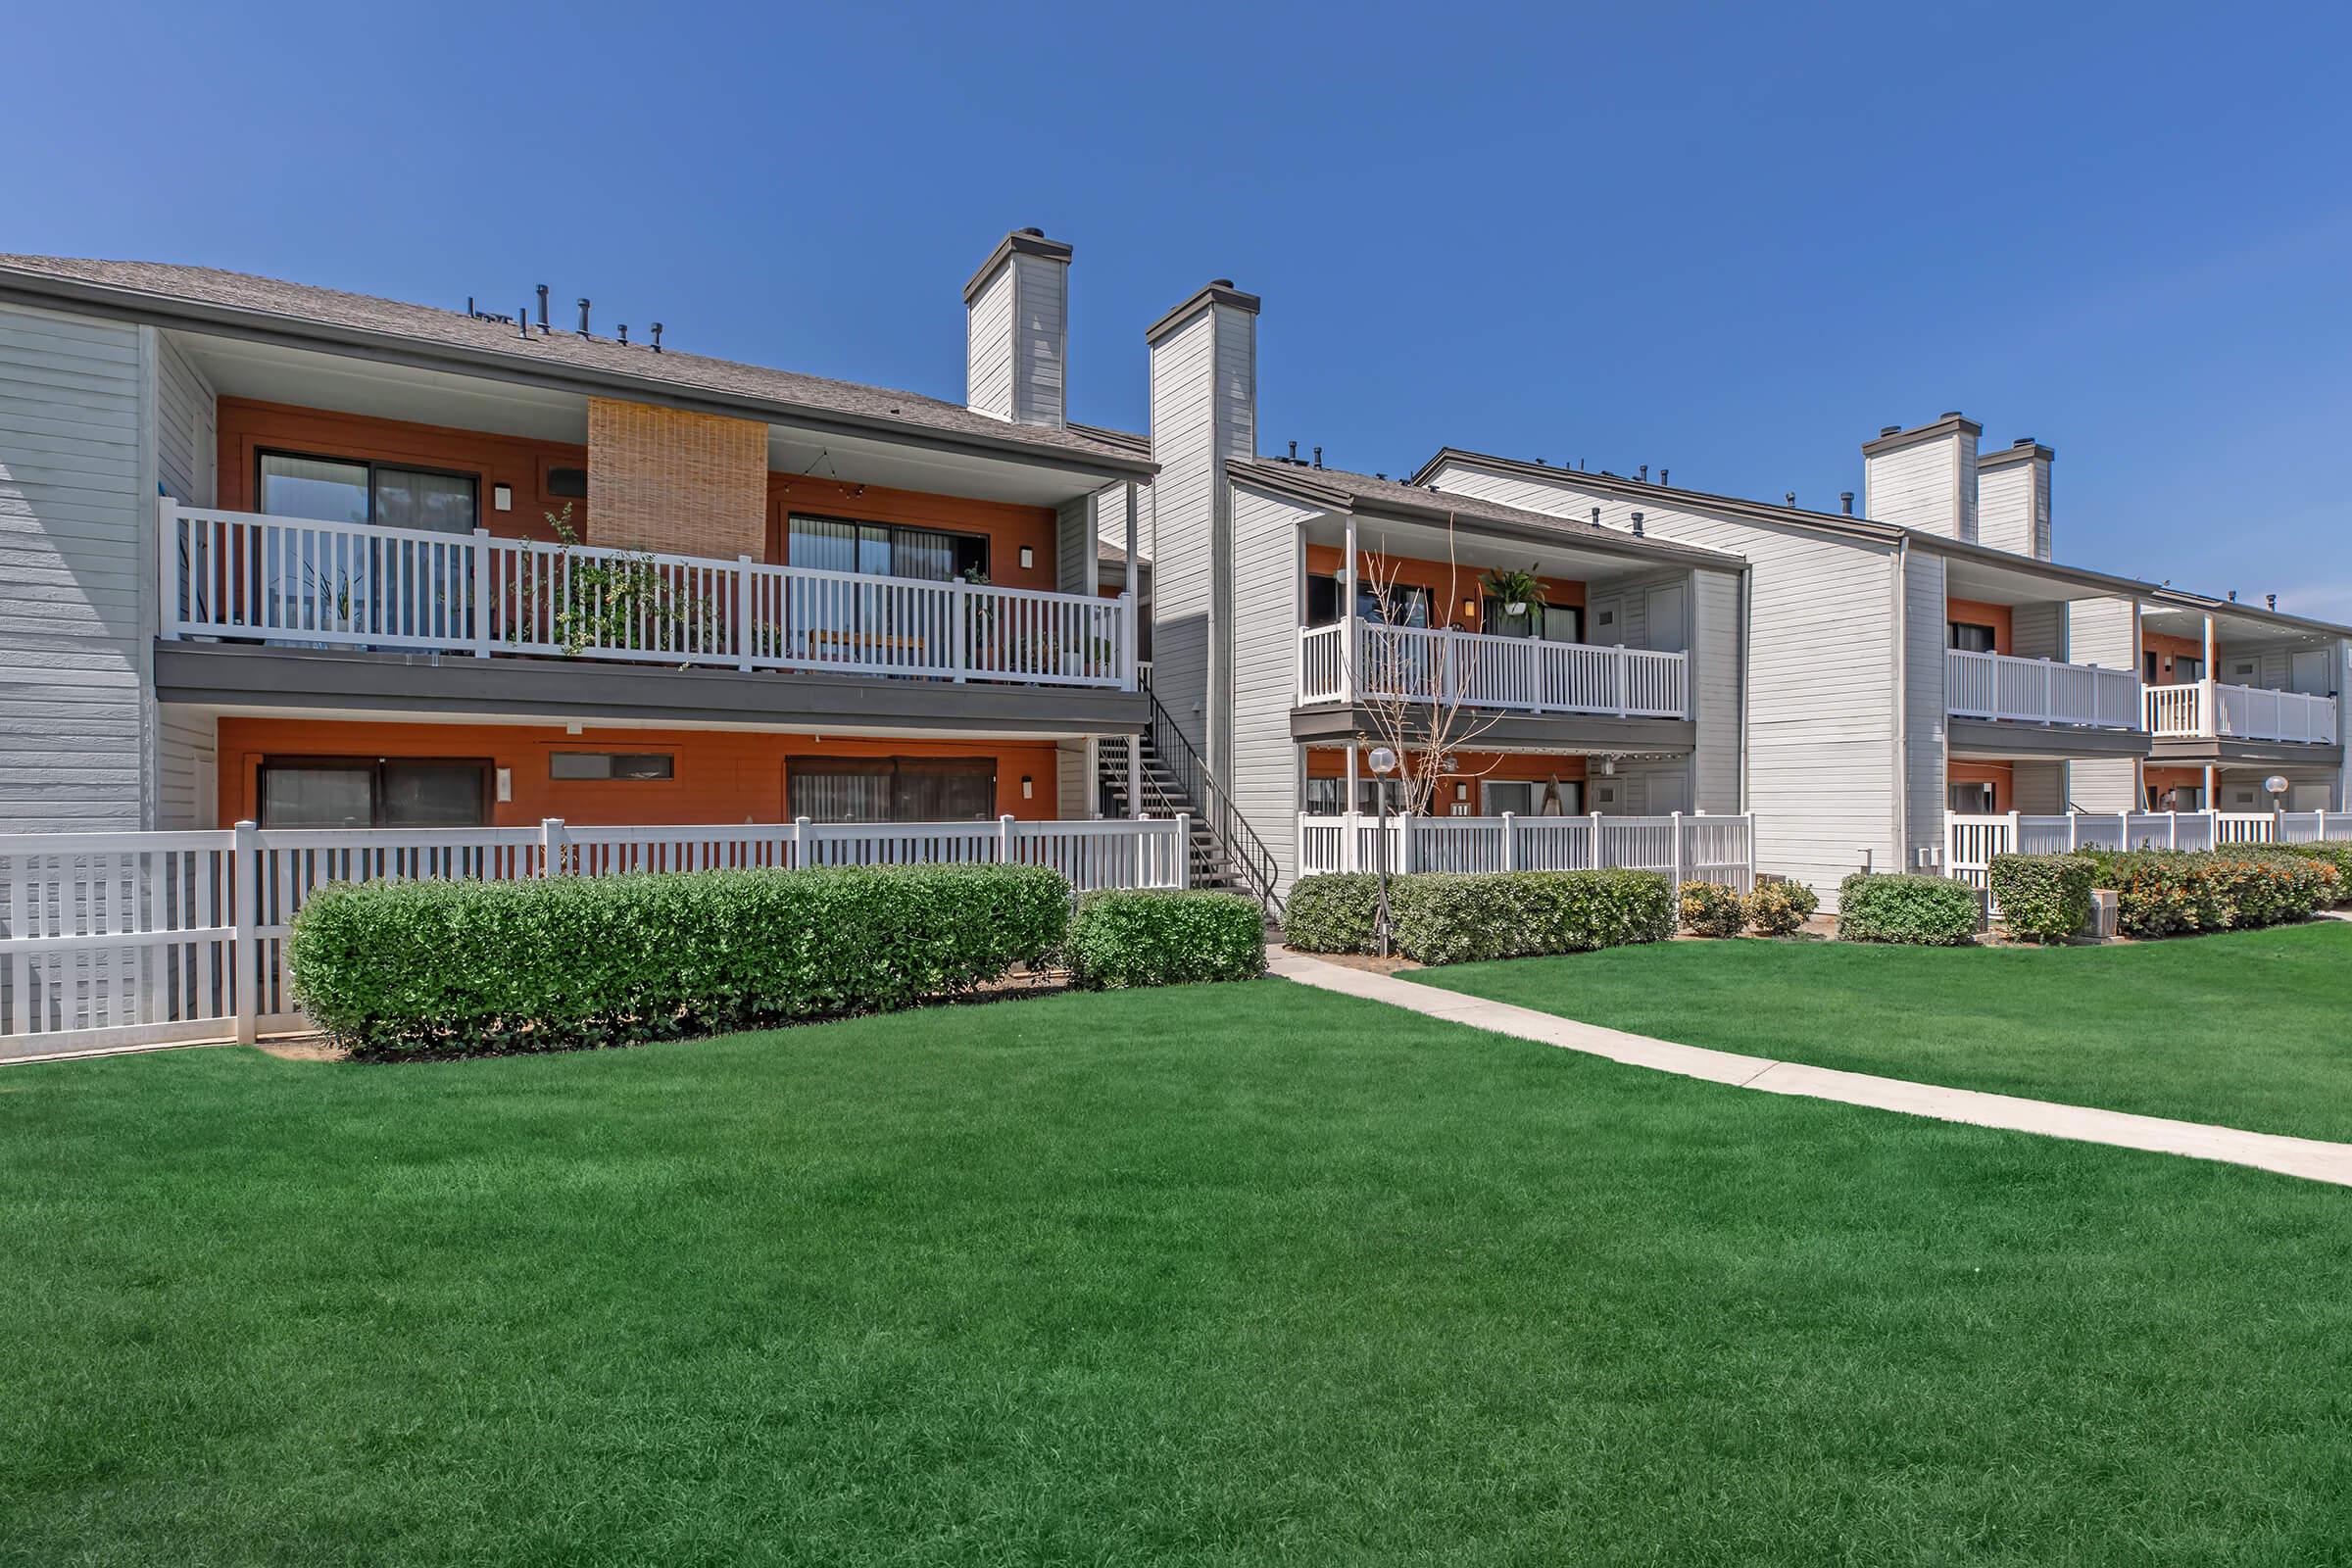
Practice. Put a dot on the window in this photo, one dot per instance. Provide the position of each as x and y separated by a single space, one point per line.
1970 638
2147 666
1554 623
892 789
878 550
611 764
1969 800
374 791
562 482
2187 670
2175 797
1403 605
340 490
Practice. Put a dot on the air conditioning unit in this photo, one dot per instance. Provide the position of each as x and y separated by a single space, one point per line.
1930 858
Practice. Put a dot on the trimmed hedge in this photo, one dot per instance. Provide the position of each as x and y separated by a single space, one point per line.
1780 908
2162 893
1332 914
2334 854
1930 912
396 969
1449 918
1147 936
2042 898
1711 910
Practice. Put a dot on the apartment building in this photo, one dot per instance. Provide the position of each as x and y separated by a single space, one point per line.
277 552
1928 657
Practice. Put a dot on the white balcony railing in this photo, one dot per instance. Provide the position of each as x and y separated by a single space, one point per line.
1522 674
2039 691
1972 840
2210 711
234 574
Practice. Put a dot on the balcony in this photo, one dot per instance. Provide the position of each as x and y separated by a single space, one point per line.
230 575
2211 711
2039 691
1365 660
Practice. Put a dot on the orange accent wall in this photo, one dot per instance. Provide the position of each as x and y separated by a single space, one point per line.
1974 612
1006 526
2168 648
248 428
2156 780
1535 768
1447 585
2002 776
721 775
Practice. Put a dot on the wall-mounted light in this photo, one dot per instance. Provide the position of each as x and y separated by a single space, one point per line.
502 498
1469 609
505 783
1028 787
1028 557
1461 792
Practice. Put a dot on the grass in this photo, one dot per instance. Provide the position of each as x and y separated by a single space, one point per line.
2251 1029
1222 1275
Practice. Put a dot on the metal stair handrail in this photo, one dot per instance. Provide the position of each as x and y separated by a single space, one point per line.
1243 848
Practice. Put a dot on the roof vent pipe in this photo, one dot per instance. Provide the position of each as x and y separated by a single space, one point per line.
584 317
1645 473
2270 600
1662 477
543 308
1890 429
624 334
657 337
1293 452
1845 501
2233 596
1790 498
522 323
1318 456
1595 516
1636 526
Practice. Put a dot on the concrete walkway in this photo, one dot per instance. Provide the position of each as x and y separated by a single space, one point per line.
2307 1157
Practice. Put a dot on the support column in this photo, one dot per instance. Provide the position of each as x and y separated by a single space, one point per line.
1349 804
1135 775
1347 639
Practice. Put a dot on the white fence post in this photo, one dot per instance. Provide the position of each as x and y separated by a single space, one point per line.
555 846
1510 842
1600 861
247 943
744 640
1404 843
481 593
1004 838
1747 851
960 604
1675 821
1129 637
800 840
1184 849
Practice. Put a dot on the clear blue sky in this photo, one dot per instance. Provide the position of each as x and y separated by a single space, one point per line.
1726 241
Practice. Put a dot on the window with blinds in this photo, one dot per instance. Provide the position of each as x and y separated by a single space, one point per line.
892 789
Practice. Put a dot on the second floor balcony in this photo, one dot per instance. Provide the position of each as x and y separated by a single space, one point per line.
1361 660
2040 691
292 582
2209 710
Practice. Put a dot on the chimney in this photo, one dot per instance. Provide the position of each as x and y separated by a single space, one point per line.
2013 499
1926 477
1017 319
1204 416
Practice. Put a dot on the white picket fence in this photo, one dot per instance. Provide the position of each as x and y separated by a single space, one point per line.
1686 847
123 939
1971 842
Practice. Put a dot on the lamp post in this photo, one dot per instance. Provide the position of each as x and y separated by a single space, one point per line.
1384 763
2275 785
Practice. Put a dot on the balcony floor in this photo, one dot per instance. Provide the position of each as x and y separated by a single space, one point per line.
252 676
2006 737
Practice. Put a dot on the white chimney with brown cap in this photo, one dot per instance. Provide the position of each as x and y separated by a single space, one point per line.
1923 478
1017 324
2013 498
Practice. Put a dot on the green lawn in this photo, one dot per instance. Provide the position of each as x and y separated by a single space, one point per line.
1225 1275
2248 1030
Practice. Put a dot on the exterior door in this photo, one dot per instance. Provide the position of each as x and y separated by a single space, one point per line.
2309 672
1669 615
1668 793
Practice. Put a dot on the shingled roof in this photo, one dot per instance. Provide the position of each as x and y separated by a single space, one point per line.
1364 492
234 297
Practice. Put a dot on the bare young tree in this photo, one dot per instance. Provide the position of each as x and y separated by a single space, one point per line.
1415 685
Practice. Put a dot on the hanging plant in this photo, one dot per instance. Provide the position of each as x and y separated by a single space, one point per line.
1519 591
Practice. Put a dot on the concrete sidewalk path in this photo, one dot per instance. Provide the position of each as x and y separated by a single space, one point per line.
2308 1158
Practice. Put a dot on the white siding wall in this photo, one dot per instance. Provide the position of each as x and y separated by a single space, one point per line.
186 437
187 776
2039 789
988 347
2104 632
1925 638
2039 630
1929 485
1203 412
2013 508
1820 694
1269 571
1041 339
76 488
1074 546
1718 645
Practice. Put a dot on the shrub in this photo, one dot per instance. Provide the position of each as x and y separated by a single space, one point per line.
2170 893
1444 917
1778 908
2339 855
450 968
1143 937
1920 910
1331 914
1713 910
2042 898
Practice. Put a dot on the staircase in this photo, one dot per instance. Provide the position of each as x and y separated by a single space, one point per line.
1226 853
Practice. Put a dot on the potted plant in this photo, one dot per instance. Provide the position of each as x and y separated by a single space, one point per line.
1519 591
